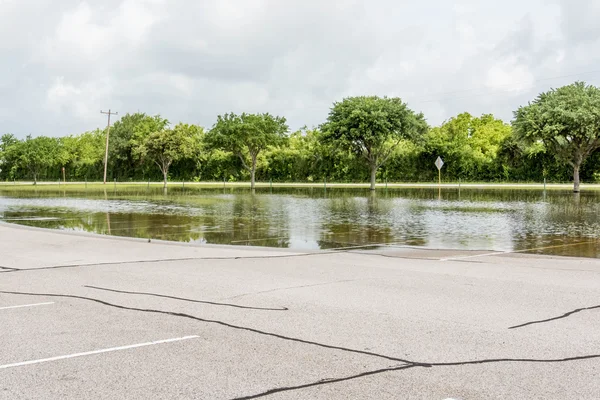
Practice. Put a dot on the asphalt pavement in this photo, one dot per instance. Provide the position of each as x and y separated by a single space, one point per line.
89 317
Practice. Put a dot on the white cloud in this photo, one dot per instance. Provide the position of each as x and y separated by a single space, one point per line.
93 34
509 75
67 100
189 60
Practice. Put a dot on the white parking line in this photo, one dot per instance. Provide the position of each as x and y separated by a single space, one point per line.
89 353
26 305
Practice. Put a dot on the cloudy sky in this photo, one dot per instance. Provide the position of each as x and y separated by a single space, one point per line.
190 60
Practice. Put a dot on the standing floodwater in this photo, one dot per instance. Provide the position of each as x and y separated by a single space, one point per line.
552 222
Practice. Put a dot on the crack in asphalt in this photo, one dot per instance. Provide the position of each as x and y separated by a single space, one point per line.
339 250
294 255
139 262
217 322
408 366
362 253
578 310
323 382
188 300
406 363
288 288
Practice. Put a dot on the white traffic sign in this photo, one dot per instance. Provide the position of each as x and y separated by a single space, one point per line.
439 163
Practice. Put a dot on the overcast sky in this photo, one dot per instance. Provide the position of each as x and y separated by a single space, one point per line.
190 60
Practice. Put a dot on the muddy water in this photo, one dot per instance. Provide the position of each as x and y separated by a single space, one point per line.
553 222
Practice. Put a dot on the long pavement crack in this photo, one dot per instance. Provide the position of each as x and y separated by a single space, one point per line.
339 250
288 288
323 382
407 366
406 363
565 315
217 322
188 300
293 255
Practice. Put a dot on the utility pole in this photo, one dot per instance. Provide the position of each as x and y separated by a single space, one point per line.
109 113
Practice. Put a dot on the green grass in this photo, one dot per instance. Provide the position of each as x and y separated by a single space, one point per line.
136 186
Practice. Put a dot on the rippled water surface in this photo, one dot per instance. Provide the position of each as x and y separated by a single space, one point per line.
553 222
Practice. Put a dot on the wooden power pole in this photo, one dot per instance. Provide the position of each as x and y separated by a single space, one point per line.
109 113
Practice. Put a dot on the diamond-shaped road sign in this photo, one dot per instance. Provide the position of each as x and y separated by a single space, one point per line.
439 163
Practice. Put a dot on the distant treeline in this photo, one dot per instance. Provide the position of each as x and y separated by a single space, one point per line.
144 147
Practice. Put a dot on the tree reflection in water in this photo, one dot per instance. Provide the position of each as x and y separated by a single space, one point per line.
552 222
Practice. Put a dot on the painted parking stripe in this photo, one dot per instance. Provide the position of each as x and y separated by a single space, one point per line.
90 353
26 305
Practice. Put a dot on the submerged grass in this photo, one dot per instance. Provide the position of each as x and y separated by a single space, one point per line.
493 216
140 186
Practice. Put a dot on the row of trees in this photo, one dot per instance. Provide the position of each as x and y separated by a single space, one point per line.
554 137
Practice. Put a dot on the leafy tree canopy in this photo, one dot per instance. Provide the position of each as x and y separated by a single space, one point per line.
566 121
468 145
246 135
372 127
37 153
164 146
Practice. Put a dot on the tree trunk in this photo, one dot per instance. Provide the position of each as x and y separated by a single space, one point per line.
373 176
164 168
576 178
34 179
252 172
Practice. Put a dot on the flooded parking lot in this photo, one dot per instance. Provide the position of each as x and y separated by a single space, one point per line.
546 222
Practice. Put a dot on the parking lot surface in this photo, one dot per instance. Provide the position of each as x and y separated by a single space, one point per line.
93 317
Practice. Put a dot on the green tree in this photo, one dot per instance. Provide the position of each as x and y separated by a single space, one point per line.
124 135
88 150
372 127
300 158
566 121
219 165
165 146
34 154
6 141
8 162
246 135
468 145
